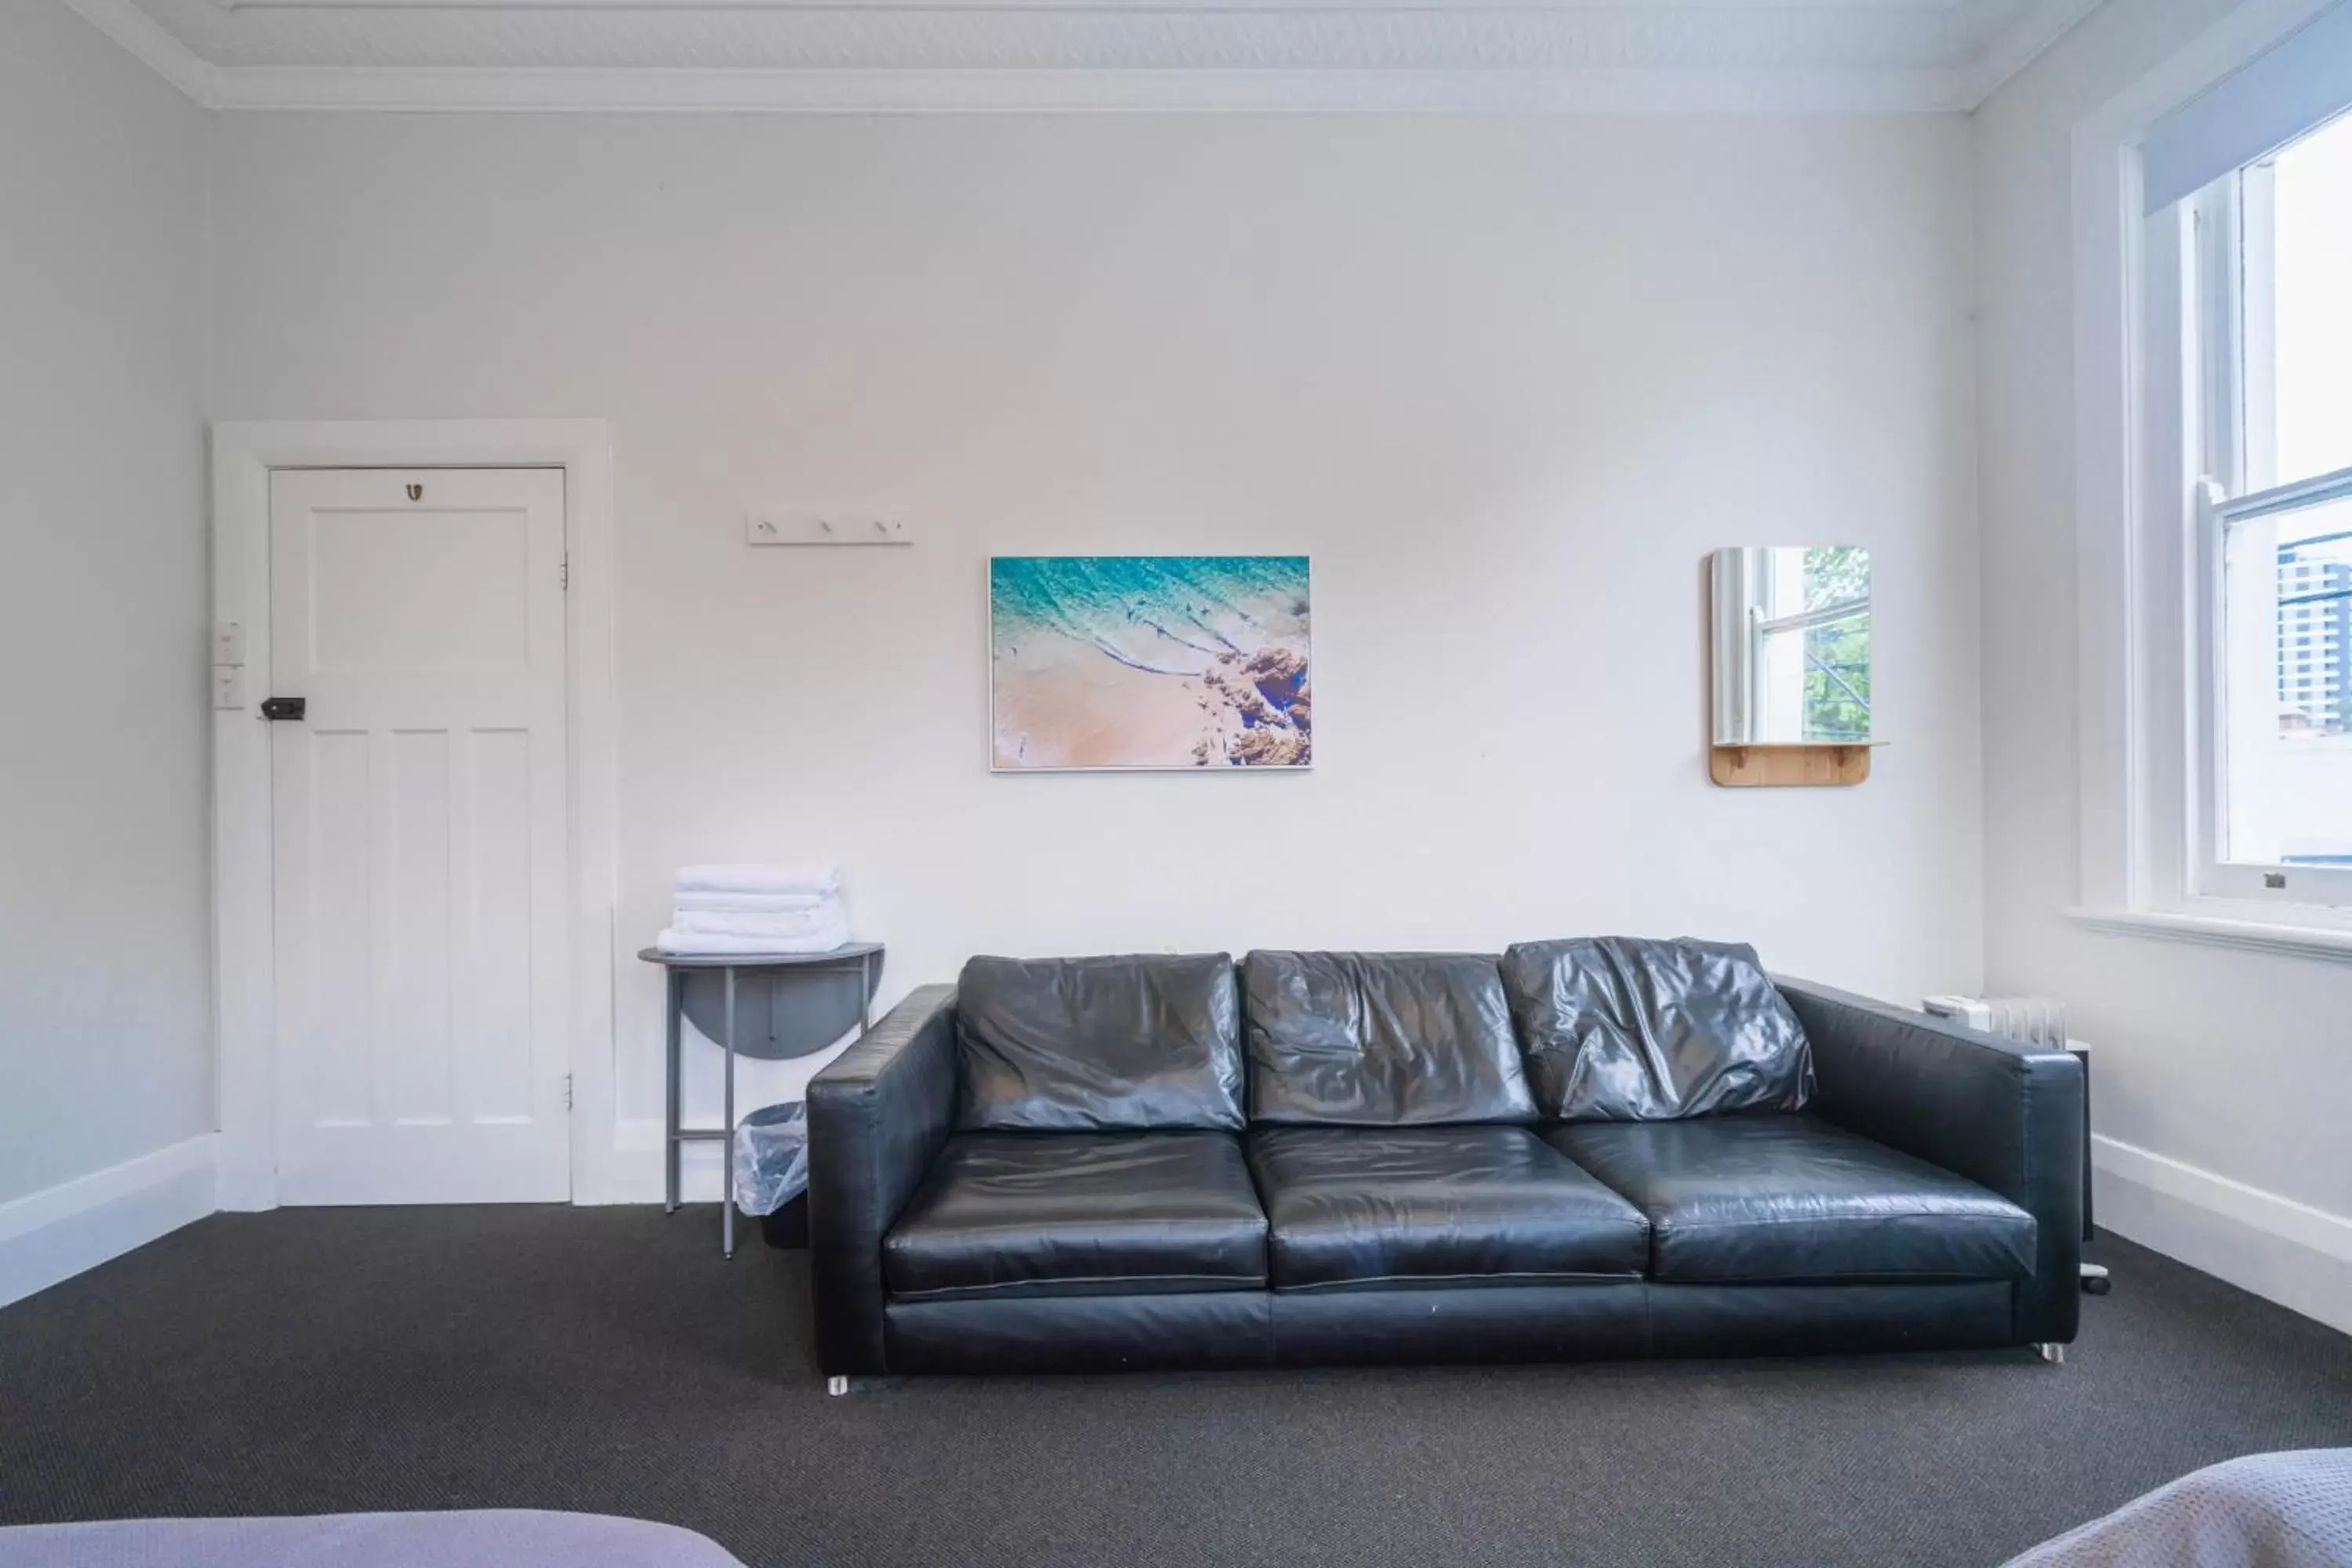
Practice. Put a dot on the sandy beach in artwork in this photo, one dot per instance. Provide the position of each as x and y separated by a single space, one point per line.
1149 662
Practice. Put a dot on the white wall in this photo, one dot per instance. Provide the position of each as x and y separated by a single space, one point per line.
2220 1076
1507 382
105 955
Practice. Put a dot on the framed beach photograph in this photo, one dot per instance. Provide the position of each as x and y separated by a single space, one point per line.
1149 661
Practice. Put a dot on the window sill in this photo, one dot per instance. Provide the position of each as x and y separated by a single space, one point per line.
2213 931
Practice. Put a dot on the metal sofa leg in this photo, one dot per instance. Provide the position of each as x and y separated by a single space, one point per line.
836 1386
2054 1354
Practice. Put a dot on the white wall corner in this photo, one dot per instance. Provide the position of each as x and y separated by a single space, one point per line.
135 30
2285 1251
51 1236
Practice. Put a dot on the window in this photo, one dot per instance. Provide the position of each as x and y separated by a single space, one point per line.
1795 623
1836 628
2271 259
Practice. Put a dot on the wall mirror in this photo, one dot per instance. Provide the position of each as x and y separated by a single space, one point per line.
1792 657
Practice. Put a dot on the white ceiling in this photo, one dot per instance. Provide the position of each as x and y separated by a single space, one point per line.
1468 55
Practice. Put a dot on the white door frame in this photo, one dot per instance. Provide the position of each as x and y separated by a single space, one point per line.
243 1020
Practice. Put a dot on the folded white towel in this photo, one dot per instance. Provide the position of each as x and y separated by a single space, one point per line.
759 878
824 917
711 944
750 903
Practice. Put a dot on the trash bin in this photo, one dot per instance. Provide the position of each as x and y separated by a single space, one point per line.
771 1158
787 1229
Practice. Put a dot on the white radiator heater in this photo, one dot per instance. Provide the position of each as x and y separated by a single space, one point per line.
2038 1021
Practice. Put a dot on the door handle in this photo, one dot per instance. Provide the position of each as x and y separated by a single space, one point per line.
275 708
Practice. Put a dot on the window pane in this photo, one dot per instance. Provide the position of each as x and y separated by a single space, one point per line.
1837 651
2287 649
2311 338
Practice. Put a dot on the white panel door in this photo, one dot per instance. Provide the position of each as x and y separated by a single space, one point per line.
420 836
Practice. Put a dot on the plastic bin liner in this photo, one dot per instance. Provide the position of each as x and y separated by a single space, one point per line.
771 1158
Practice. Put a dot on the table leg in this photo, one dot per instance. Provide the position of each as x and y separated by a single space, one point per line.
727 1174
675 990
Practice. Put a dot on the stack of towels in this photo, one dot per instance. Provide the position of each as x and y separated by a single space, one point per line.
724 910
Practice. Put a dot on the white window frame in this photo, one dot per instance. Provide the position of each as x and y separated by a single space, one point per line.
2226 284
2147 530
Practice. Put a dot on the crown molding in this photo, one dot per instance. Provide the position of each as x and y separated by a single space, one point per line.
636 89
2017 45
1341 8
842 56
152 43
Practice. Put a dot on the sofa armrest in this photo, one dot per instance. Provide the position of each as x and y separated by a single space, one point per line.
878 1116
2006 1115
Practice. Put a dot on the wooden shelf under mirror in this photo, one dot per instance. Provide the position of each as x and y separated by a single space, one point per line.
1797 764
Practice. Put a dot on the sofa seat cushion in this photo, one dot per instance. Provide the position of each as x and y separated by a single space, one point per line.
1097 1044
1784 1198
1473 1206
1063 1213
1381 1039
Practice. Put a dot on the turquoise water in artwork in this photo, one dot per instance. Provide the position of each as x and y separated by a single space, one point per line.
1170 615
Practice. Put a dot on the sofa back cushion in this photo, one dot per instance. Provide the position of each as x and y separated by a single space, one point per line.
1065 1044
1626 1029
1383 1040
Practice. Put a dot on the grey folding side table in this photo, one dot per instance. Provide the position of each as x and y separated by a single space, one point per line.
811 999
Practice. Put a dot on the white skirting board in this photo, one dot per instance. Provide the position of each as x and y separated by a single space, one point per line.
2285 1251
55 1234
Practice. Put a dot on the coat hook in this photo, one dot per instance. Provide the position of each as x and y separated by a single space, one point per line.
416 492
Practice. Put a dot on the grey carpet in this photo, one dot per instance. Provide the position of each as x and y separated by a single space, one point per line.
606 1360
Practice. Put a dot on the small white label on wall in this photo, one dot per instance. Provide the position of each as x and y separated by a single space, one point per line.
825 527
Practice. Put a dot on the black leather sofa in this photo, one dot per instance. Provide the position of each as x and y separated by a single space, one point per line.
1592 1149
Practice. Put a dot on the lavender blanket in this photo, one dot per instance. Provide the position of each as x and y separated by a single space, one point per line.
492 1538
2266 1511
